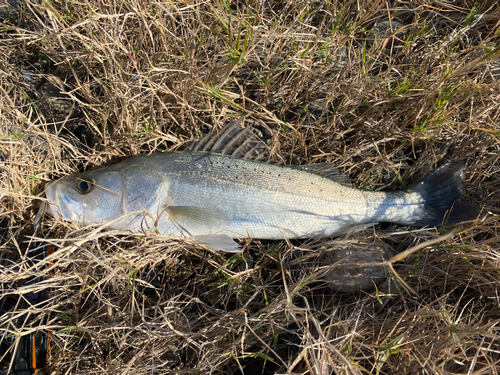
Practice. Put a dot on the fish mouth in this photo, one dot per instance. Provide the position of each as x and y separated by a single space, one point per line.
60 205
50 193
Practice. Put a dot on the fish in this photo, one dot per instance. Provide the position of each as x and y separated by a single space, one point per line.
222 188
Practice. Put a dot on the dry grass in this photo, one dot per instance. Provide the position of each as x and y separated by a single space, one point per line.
144 76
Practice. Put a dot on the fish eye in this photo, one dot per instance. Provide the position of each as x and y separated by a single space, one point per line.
84 186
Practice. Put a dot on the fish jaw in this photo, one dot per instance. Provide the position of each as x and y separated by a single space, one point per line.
62 206
50 193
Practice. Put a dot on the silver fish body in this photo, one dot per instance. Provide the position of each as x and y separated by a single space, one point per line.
215 197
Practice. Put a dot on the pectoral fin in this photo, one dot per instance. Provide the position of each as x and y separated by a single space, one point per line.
204 225
198 219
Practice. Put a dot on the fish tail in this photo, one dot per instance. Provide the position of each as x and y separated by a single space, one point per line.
439 190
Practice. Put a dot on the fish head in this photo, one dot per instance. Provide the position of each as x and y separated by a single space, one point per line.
88 198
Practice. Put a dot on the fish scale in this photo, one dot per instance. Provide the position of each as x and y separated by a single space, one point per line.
216 196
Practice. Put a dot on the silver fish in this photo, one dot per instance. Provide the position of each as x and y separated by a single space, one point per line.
219 190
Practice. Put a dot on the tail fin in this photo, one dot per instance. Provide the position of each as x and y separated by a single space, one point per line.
440 189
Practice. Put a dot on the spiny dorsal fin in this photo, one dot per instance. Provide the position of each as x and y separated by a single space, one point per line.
247 143
244 143
326 170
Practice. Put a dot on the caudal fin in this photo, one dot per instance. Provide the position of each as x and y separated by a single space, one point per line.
440 189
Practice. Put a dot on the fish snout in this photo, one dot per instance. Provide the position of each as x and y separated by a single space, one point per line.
51 193
60 205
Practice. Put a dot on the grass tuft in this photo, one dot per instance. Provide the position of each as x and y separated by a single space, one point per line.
387 90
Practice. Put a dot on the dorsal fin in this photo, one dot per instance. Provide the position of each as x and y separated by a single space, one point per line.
246 143
326 170
233 140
